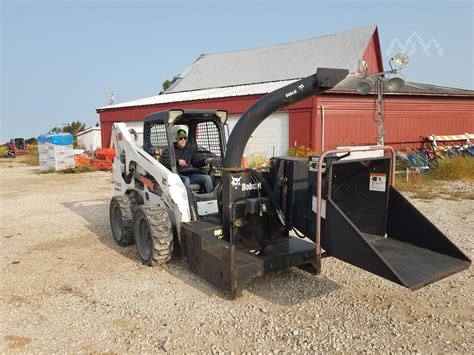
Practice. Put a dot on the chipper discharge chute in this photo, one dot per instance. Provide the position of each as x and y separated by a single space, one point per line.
366 222
255 222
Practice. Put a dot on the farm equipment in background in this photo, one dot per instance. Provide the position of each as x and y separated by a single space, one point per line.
16 146
434 148
103 159
452 145
255 222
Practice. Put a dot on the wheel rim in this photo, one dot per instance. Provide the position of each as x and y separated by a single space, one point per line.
144 243
117 223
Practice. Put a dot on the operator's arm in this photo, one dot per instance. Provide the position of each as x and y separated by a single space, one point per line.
195 161
180 158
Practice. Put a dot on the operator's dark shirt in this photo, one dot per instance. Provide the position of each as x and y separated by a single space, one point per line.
188 154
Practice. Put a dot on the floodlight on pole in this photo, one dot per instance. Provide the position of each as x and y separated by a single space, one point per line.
397 62
363 88
395 84
362 67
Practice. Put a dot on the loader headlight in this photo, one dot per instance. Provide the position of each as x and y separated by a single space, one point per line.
173 115
222 116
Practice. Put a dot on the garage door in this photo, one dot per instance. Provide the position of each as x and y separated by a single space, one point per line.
270 138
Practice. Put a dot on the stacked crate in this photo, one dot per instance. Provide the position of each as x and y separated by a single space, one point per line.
56 151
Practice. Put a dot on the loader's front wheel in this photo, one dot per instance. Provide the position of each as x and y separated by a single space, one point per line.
153 235
121 220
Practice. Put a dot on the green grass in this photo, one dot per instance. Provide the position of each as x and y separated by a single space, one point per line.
76 170
30 159
33 148
431 186
456 168
33 158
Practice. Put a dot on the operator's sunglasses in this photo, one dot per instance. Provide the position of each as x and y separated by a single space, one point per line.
185 138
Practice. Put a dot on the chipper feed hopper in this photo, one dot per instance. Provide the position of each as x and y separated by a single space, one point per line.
256 222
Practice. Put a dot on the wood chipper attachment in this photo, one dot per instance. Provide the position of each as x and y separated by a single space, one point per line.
363 221
366 222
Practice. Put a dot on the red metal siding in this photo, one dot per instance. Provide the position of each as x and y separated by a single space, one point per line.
351 119
300 124
234 105
372 55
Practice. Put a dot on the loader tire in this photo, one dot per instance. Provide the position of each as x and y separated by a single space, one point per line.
121 220
153 235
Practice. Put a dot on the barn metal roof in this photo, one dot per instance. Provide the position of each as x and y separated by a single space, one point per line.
288 61
240 90
410 88
348 85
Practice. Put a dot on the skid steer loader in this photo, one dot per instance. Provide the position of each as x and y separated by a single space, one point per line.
257 222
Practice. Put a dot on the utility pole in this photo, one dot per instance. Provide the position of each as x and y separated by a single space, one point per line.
399 61
110 97
380 131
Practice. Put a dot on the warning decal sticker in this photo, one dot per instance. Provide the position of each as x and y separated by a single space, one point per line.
378 182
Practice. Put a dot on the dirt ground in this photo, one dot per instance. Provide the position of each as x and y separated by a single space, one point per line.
67 287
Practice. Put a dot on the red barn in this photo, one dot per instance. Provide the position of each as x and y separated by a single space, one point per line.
233 81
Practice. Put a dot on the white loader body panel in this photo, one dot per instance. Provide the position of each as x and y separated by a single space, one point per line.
130 158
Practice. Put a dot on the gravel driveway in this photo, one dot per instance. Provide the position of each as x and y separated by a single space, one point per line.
66 286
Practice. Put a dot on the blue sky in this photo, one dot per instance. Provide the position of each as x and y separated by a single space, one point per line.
58 58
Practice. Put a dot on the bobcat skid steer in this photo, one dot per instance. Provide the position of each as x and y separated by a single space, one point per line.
333 205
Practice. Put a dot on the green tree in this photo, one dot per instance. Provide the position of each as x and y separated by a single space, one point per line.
73 128
167 83
31 140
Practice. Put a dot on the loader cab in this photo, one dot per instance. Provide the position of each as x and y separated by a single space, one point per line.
205 131
18 143
204 128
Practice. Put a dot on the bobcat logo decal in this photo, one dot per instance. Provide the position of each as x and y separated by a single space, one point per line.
236 182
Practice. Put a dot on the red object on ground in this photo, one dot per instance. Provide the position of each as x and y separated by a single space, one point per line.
105 157
105 154
101 164
81 160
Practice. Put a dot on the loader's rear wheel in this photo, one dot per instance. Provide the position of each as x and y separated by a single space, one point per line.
153 235
121 220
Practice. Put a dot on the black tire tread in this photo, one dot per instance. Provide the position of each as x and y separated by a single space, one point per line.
126 209
161 233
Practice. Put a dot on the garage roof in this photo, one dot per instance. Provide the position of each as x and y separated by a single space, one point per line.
288 61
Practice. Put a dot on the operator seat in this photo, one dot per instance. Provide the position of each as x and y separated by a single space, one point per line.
195 188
